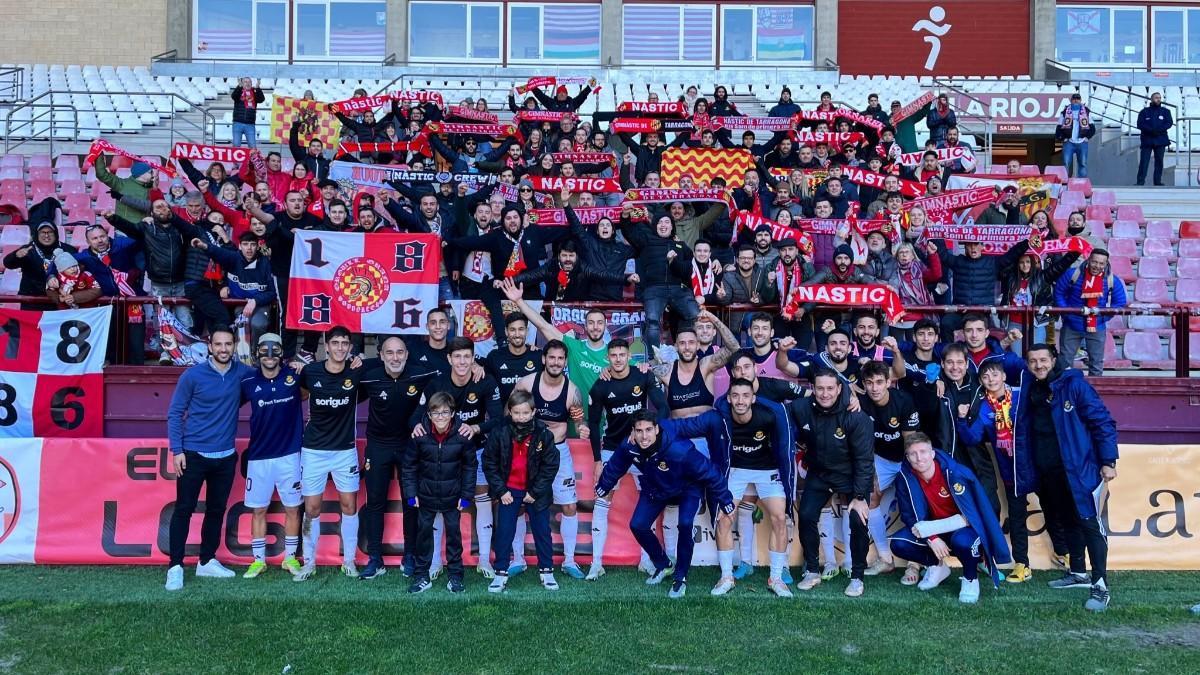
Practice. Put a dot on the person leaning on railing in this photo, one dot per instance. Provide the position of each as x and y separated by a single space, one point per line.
1091 286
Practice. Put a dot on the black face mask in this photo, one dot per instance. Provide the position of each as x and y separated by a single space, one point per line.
522 429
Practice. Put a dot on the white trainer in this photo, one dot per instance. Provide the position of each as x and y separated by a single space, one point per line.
724 585
350 570
594 572
307 571
934 576
779 588
498 583
548 581
175 578
214 569
968 593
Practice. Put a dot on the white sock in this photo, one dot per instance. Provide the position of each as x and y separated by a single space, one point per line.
349 538
259 548
290 542
877 524
483 527
518 542
600 529
778 562
670 526
439 531
570 535
825 525
725 558
844 526
312 535
745 527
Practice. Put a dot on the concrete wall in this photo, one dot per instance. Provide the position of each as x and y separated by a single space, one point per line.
103 32
1042 23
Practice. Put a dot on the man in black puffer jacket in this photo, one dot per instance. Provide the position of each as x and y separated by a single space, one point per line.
439 479
600 250
664 269
974 280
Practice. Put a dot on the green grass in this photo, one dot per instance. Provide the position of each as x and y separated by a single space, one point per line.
119 619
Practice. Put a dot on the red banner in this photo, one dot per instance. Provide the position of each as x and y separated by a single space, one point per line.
752 123
472 114
364 103
539 82
584 158
51 372
558 184
834 139
209 153
908 188
586 215
983 234
853 295
912 107
751 221
472 129
944 156
940 208
832 116
672 108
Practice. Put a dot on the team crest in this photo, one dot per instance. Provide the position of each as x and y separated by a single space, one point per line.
289 380
893 423
959 488
839 434
1068 406
347 384
529 365
759 435
361 285
472 398
412 390
637 390
662 466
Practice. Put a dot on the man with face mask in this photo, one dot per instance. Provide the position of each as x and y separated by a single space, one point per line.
664 269
600 250
249 278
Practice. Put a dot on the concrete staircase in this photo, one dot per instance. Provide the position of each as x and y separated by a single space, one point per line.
1162 203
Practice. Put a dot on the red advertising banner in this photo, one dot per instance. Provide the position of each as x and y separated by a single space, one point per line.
947 37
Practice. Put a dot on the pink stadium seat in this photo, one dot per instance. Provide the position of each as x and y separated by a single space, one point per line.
1112 357
40 173
1151 290
1160 228
1188 268
1123 247
67 162
1104 197
1130 212
1126 229
1193 349
99 188
11 173
1154 268
1096 228
12 159
1161 248
1189 248
1116 324
1073 200
1101 213
1059 172
77 202
1189 229
42 160
1030 170
1141 346
73 187
1149 322
84 216
41 189
1188 290
11 187
1083 185
1122 268
104 202
69 172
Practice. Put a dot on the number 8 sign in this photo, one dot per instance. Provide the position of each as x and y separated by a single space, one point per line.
51 372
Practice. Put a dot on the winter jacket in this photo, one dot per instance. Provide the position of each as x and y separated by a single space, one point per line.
740 291
840 445
1069 289
37 265
164 246
243 114
194 176
1087 435
568 105
439 474
939 123
883 268
992 215
692 225
607 255
648 159
123 256
676 469
129 187
972 502
1013 364
653 267
318 166
581 286
1153 122
974 281
533 241
1041 279
248 280
782 109
541 464
979 426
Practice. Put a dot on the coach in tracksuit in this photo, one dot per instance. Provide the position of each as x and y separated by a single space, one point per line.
840 456
673 472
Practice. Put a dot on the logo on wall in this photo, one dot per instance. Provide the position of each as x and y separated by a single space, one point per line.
10 499
934 25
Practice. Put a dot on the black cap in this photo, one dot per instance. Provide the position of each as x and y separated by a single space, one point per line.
784 243
326 182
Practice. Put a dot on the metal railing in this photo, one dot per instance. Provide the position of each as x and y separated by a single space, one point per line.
1180 315
177 127
12 83
989 127
1184 158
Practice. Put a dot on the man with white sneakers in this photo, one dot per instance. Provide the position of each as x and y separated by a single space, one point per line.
946 513
201 424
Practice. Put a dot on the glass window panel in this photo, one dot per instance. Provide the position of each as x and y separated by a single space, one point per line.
358 29
485 32
1129 36
270 29
571 32
438 30
1193 46
523 37
223 27
737 35
698 34
1168 36
651 33
310 30
784 33
1082 35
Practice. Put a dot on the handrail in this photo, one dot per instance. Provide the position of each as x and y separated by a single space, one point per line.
1128 120
50 107
1192 177
1180 314
168 56
207 128
988 126
16 86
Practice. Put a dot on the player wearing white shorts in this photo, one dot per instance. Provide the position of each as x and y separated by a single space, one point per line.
556 402
328 448
273 454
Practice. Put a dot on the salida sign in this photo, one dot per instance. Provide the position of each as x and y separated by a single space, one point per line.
943 37
1013 109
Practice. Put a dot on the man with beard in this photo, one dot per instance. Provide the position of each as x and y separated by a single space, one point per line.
648 153
165 250
393 386
748 283
516 359
430 218
839 457
557 402
801 363
566 279
34 261
664 269
765 253
843 272
791 272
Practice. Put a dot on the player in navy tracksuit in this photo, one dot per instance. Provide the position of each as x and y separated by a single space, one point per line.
272 458
932 487
673 472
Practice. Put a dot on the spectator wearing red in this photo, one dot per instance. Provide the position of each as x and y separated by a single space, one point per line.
246 98
1091 286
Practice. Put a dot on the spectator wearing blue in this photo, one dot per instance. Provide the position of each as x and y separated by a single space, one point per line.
1153 121
201 424
945 512
1091 286
1074 129
786 107
940 119
246 97
249 278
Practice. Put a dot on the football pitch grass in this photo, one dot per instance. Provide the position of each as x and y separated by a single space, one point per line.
120 620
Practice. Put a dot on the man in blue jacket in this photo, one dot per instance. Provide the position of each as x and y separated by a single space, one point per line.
1067 433
673 472
201 423
1153 121
945 512
1091 286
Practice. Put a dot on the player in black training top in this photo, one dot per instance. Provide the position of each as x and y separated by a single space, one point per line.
433 353
516 359
329 447
479 408
617 398
393 384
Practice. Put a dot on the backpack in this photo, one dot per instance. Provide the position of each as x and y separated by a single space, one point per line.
1108 280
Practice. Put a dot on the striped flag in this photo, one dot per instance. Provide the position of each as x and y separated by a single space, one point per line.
571 32
224 41
652 33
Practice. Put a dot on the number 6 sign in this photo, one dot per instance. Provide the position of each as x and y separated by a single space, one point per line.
51 372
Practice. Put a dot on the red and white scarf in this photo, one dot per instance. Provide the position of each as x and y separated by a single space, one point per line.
704 281
1091 293
100 146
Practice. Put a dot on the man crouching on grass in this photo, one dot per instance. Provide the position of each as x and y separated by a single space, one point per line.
946 513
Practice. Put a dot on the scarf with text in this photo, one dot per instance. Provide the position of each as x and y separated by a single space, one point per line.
585 158
940 208
493 130
1091 293
467 113
671 109
831 117
911 108
539 82
738 123
859 176
100 146
635 125
587 215
364 103
983 234
668 195
512 194
850 295
558 184
834 139
209 153
543 116
418 144
945 156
